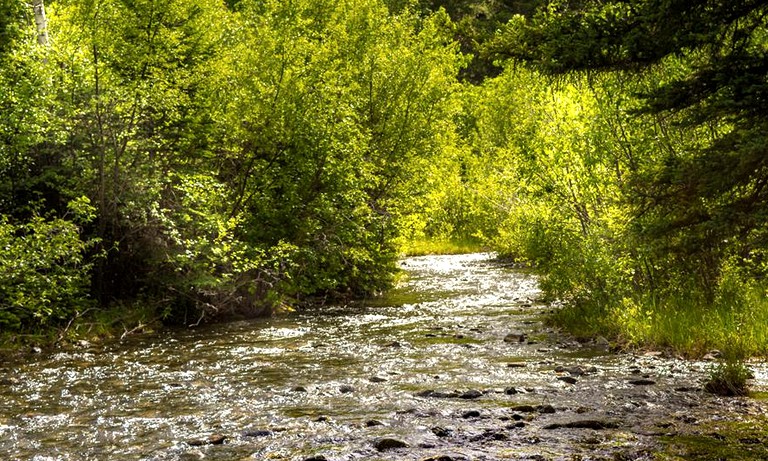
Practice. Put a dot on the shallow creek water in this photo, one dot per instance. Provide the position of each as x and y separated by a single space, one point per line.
334 381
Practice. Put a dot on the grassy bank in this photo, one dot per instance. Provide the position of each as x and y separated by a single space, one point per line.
686 324
422 247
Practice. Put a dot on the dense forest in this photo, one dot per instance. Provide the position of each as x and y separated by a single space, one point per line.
186 161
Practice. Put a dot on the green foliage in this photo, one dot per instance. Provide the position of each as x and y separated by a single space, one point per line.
729 379
239 157
43 274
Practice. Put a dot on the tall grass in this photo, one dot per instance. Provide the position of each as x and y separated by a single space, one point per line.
421 247
735 322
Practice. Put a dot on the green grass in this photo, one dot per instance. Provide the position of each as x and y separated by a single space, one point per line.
422 247
683 323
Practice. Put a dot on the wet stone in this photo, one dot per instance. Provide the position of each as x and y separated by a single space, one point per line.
546 409
377 379
470 414
441 431
642 382
257 433
516 365
471 394
298 389
373 423
316 458
387 443
523 409
510 391
346 389
594 424
568 379
215 439
515 337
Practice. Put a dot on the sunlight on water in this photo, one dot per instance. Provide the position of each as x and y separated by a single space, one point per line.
334 379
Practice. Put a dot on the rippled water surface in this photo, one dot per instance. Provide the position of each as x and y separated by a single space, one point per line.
333 381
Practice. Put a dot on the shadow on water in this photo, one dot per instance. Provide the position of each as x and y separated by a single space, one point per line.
453 363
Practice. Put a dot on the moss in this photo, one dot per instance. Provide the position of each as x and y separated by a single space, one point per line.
731 440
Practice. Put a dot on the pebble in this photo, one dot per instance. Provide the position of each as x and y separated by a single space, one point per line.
346 389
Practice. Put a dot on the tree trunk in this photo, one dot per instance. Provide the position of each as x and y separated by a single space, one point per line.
40 21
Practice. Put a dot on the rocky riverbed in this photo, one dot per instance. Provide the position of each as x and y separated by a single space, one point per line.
455 364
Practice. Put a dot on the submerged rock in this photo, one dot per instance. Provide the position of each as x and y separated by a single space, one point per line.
546 409
510 391
595 424
515 337
373 423
523 409
642 382
346 389
257 433
387 443
568 379
377 379
215 439
316 458
471 394
441 431
470 414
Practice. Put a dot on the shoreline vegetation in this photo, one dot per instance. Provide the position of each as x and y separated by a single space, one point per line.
185 162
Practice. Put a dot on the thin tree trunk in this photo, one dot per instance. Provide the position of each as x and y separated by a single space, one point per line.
41 22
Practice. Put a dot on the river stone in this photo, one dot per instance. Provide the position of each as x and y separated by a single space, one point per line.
388 443
215 439
546 409
257 433
523 409
316 458
471 394
346 389
373 423
441 431
510 391
299 389
440 458
377 379
584 424
470 414
515 337
642 382
568 379
516 365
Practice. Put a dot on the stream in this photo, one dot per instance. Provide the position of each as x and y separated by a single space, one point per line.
453 364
